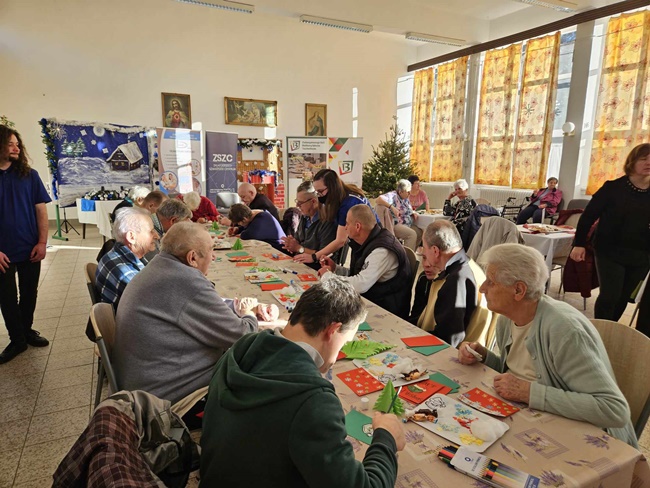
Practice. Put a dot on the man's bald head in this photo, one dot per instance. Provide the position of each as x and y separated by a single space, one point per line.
246 192
364 215
184 237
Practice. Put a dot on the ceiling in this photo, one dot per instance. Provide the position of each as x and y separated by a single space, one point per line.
472 20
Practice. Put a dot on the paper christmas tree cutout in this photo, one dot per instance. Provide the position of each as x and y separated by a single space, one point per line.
387 398
238 246
215 225
363 349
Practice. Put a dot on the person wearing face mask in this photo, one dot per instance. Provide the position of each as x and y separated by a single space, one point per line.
545 199
336 198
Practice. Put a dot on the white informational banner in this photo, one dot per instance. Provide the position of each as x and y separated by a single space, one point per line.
180 166
306 156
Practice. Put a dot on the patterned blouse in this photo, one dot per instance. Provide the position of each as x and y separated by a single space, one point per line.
403 205
460 211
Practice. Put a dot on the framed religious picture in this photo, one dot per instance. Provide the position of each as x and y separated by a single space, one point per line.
176 111
315 119
258 113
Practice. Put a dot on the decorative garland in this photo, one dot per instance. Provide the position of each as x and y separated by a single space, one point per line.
49 132
103 194
5 121
263 143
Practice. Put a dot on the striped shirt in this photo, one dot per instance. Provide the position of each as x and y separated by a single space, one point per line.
114 271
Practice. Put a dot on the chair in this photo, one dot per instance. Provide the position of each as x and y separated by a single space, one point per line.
628 351
553 218
385 218
91 272
637 295
225 200
482 201
495 230
483 322
413 261
577 203
343 254
103 319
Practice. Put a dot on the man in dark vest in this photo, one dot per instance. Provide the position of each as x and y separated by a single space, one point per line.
379 268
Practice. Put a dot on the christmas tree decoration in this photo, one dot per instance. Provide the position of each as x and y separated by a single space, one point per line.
388 401
363 349
389 163
238 246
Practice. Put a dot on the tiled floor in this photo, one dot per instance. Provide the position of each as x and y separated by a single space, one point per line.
47 393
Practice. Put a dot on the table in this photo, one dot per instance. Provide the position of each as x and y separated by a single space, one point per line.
550 245
424 220
100 217
553 448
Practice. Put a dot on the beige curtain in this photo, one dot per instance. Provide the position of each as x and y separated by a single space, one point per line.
448 125
536 112
497 109
421 123
623 107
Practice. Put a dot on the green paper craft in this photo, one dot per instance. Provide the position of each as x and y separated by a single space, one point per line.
238 245
363 349
429 350
421 207
236 254
444 380
215 225
387 398
364 327
354 425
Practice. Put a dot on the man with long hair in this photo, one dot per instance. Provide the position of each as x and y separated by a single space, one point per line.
23 242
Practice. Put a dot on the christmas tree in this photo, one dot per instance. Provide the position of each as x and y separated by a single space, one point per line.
389 163
388 402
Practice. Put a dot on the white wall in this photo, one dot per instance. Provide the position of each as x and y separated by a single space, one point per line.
109 60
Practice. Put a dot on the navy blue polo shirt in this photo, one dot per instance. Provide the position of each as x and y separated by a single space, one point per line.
18 226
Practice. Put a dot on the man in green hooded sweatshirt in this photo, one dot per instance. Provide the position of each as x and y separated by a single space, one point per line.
271 418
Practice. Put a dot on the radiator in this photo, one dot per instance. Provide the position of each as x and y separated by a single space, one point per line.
499 196
437 193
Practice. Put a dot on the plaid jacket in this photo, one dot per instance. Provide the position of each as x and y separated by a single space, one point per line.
115 270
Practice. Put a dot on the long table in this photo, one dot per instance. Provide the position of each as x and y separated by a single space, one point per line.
559 451
550 245
100 216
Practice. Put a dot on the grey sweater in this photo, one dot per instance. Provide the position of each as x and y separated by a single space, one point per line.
171 329
574 375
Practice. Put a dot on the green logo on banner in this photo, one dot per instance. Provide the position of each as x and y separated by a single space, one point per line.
345 167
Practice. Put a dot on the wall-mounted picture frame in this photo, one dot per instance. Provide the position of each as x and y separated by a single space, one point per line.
315 119
246 111
176 110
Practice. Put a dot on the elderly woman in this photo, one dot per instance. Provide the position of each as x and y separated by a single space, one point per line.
203 210
551 356
543 200
255 224
418 197
462 208
622 238
403 215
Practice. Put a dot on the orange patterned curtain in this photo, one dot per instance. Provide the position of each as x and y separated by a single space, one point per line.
421 123
497 116
623 108
536 112
448 124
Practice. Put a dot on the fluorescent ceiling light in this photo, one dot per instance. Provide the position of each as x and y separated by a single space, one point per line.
559 5
223 4
337 24
449 41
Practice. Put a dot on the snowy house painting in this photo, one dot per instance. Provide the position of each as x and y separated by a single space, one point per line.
126 157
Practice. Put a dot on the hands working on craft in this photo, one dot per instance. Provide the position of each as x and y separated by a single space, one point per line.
250 306
327 264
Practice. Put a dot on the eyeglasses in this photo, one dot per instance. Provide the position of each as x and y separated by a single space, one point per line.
321 193
300 204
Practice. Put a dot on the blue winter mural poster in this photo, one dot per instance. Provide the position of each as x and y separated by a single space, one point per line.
90 155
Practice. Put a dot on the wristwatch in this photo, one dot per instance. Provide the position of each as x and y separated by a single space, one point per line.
301 250
314 257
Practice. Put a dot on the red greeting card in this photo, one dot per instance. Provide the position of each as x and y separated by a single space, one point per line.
484 402
247 265
360 382
276 257
341 355
272 286
236 259
418 392
420 341
307 277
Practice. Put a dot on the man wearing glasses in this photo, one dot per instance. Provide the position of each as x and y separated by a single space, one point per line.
313 234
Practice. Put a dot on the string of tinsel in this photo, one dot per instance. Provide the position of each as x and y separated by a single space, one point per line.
52 160
263 143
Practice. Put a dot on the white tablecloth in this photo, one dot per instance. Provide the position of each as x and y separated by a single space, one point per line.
424 220
100 217
550 245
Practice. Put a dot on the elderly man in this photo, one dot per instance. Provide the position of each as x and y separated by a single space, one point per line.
269 389
313 234
256 201
379 267
171 325
551 356
445 306
170 212
255 224
134 237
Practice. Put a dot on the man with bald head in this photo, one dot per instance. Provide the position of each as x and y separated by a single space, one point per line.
256 201
171 325
379 268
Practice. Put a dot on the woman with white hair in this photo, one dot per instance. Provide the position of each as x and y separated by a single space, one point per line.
203 210
404 217
459 211
551 357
